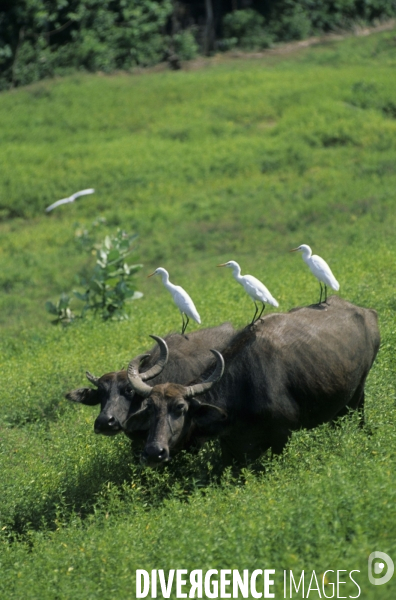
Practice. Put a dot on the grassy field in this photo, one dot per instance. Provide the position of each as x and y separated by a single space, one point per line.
243 160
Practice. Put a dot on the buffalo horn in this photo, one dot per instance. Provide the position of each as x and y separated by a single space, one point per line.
135 379
161 362
200 388
92 378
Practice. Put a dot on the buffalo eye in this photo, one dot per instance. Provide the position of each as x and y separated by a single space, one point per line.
179 408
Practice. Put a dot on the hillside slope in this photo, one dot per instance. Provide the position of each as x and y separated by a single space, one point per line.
243 160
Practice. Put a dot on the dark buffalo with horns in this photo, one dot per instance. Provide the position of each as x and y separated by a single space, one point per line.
288 371
121 406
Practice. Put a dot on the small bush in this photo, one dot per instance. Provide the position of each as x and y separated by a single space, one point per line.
245 28
185 45
111 282
294 24
109 286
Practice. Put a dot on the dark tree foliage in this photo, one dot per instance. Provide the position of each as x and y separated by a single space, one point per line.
41 38
291 19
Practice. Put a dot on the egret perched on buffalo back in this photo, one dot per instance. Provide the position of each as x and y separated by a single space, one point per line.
319 268
256 290
180 297
69 199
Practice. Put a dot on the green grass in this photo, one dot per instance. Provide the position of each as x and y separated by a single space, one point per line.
242 160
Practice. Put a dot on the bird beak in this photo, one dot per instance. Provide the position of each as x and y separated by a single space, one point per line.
222 265
151 274
294 250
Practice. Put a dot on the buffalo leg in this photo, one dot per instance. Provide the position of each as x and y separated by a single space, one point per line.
227 456
247 450
232 455
282 438
355 403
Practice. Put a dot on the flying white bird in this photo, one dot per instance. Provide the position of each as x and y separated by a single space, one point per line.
319 268
256 290
180 297
69 199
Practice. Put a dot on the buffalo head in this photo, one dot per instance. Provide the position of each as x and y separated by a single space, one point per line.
122 409
173 409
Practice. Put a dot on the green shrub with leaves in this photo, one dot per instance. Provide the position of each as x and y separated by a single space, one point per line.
295 23
109 286
40 39
111 283
61 310
245 29
185 45
297 19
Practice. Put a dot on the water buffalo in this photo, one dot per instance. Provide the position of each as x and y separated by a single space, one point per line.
190 356
288 371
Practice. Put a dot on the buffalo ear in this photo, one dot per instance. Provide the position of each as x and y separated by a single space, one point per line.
208 414
84 396
137 420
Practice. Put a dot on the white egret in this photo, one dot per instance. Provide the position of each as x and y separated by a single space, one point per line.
319 268
256 290
180 297
69 199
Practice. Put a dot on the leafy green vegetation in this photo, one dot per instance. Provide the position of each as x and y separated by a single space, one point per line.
245 28
242 160
108 287
41 38
48 38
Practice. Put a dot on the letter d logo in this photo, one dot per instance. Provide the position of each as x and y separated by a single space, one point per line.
378 568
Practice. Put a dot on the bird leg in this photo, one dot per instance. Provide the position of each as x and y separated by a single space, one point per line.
256 311
325 293
184 323
321 292
262 310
